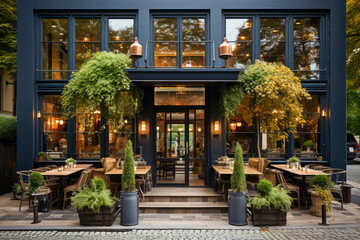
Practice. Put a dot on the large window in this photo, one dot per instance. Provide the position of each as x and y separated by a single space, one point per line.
121 35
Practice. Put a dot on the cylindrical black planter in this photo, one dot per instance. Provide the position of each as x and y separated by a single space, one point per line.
129 208
237 209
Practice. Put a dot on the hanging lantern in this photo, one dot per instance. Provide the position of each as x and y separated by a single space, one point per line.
225 50
136 49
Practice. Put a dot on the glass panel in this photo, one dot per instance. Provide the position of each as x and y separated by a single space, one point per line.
308 75
118 138
239 29
180 96
196 173
307 29
55 58
55 144
84 51
196 134
54 123
306 145
273 51
307 56
165 29
121 30
88 139
242 54
313 105
170 171
55 30
272 145
272 29
120 47
51 104
238 131
193 30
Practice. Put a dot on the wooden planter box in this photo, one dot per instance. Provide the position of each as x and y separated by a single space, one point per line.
268 216
105 217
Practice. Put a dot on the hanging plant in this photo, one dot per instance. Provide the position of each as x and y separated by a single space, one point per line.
102 85
231 96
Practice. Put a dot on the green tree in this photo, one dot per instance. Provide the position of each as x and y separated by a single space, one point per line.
238 180
128 176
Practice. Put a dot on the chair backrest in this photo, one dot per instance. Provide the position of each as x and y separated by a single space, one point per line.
84 178
254 163
24 179
263 165
337 175
280 177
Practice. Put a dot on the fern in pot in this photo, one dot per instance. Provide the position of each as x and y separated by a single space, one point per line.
237 209
129 198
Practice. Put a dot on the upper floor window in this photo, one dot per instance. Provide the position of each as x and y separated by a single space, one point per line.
179 42
121 35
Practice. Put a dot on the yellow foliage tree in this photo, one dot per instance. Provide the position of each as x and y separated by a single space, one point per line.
273 96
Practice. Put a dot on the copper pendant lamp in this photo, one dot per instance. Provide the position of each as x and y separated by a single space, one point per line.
225 50
136 50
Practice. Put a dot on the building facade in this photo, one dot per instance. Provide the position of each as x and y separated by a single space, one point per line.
180 131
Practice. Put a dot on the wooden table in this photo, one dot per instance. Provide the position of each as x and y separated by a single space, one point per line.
65 173
140 171
303 174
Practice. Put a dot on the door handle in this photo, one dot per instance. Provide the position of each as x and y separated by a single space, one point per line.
187 147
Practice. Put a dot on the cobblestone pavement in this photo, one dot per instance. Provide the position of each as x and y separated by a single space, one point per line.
324 233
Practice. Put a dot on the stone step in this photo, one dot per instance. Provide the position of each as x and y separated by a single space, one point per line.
183 207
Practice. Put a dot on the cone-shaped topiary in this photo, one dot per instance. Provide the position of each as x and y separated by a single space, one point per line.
128 176
238 180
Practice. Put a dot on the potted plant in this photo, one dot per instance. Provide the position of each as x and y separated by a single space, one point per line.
321 194
308 144
237 209
17 191
95 205
292 161
42 156
129 199
70 162
35 181
270 207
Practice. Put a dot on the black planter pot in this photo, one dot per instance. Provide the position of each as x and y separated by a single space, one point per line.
268 216
129 208
105 217
237 209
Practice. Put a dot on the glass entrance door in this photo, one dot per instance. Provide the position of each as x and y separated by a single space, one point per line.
180 147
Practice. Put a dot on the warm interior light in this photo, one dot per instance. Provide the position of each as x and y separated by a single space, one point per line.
86 39
143 126
323 113
190 129
243 37
180 129
97 112
238 124
216 126
199 129
126 121
117 38
233 126
247 55
157 128
298 23
61 122
54 26
39 114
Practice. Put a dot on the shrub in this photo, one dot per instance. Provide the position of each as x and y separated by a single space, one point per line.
238 180
278 198
17 188
322 181
308 143
293 160
8 129
93 197
36 180
128 176
41 154
264 188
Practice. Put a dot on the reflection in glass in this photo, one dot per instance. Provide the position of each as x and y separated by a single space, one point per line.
307 29
118 138
239 35
272 39
120 47
55 37
196 134
179 96
165 30
193 30
121 35
196 173
88 39
272 145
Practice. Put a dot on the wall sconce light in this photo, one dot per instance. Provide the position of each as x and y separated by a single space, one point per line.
323 113
238 124
126 121
143 127
157 128
216 127
38 114
233 126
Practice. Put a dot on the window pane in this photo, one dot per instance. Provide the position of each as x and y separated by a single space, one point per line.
307 29
165 29
193 30
272 145
55 58
54 123
84 51
242 53
88 30
118 138
56 144
88 138
51 104
120 47
239 29
313 105
306 145
272 29
308 75
307 56
180 96
272 52
55 30
121 30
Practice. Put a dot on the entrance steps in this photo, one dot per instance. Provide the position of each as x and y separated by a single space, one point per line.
183 200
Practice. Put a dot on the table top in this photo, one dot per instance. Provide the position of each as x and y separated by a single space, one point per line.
138 171
311 172
66 172
227 170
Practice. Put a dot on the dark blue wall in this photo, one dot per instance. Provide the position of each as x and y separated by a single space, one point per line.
335 90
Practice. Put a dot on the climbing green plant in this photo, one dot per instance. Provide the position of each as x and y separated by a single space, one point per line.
238 180
128 176
102 85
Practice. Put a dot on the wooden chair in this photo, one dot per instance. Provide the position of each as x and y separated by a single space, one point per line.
140 181
260 165
287 186
24 183
83 180
338 178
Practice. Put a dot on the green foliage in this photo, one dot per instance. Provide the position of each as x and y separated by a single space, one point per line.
353 112
238 180
70 160
322 181
35 181
101 84
93 197
8 129
326 196
278 198
42 154
128 176
8 39
293 160
308 143
264 188
17 188
230 98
